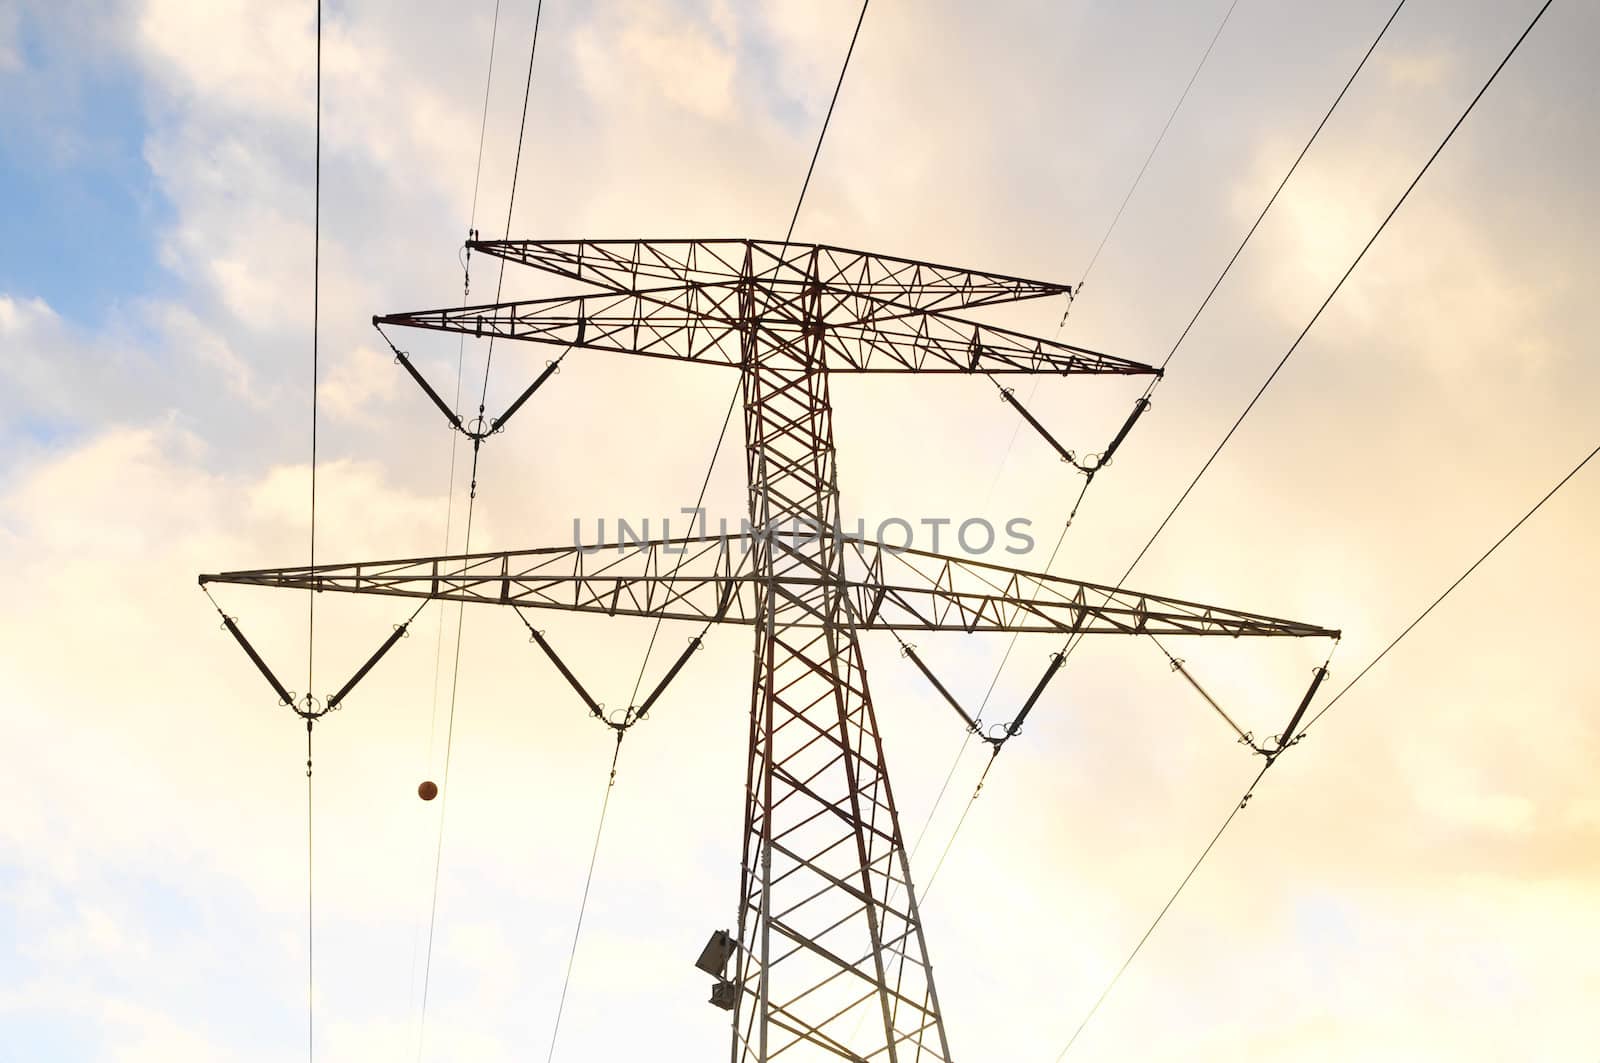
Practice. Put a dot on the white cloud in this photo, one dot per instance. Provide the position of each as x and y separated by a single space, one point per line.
159 793
691 65
357 380
20 317
1418 70
232 55
193 339
10 43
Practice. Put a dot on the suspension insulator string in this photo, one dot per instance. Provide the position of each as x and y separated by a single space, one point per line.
479 430
231 625
633 713
643 710
400 631
309 708
1290 736
1091 463
1015 726
909 652
596 709
1177 665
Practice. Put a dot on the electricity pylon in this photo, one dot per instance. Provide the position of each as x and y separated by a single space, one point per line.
829 932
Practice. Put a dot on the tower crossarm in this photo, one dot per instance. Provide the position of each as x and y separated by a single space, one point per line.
633 265
918 590
692 578
938 343
703 322
693 323
710 579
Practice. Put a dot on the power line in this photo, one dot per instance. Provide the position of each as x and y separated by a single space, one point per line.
827 118
472 496
310 909
461 345
1293 347
1156 146
511 200
1271 760
583 905
311 607
1239 250
938 866
1277 191
1033 389
1334 700
450 489
1227 267
994 750
483 119
1238 806
1117 217
699 502
1459 580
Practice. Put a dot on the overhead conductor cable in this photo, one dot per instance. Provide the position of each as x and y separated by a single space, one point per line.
1139 408
1290 739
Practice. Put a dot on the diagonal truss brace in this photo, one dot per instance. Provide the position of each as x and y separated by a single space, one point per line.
633 265
709 579
708 323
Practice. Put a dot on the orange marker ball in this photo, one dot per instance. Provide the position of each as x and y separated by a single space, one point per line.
428 791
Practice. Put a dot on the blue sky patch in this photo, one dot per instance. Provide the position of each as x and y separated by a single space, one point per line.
82 207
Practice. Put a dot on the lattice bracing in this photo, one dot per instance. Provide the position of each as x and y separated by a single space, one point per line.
829 959
635 265
706 324
712 578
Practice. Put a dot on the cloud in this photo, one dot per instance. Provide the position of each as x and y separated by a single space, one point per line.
184 331
234 56
19 318
690 65
1436 282
1411 876
356 381
10 40
1418 70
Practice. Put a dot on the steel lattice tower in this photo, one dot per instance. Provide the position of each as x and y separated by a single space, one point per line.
830 959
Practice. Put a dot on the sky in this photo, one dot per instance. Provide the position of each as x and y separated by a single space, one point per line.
1415 880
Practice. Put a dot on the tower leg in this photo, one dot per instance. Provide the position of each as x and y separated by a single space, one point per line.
832 961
